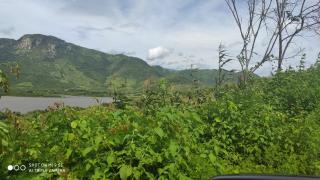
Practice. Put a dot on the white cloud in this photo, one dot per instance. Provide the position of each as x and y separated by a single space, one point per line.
158 53
7 30
191 27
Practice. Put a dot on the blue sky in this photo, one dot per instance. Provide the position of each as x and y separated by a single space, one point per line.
171 33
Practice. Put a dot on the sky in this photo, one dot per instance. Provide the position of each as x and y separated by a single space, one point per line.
170 33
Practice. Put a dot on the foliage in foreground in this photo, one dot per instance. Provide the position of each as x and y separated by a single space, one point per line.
271 127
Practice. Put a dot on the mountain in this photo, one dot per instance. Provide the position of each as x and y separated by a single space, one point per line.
52 65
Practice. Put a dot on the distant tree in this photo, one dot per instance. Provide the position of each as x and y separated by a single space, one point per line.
193 70
302 62
150 84
4 82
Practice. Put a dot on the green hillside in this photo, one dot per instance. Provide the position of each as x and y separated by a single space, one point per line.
52 66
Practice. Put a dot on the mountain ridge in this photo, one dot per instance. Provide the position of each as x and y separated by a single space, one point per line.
52 64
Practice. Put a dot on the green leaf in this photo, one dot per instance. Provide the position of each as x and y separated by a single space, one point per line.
98 140
173 147
74 124
88 166
125 171
83 124
212 158
196 117
159 132
69 151
5 143
217 119
183 177
71 136
86 151
110 159
203 155
3 128
216 149
136 174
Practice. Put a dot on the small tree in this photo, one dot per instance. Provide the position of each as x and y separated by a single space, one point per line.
250 30
117 88
223 60
279 22
302 62
292 18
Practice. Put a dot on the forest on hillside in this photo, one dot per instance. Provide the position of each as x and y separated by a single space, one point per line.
255 125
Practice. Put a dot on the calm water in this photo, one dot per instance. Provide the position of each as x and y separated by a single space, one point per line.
27 104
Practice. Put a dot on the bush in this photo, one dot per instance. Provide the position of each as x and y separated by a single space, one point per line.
270 126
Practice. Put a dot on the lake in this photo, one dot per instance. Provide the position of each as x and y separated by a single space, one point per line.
27 104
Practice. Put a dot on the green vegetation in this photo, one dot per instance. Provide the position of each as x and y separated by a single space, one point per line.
269 126
51 66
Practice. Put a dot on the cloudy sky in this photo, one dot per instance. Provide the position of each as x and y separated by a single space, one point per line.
170 33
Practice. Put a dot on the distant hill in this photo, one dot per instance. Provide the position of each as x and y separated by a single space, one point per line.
49 64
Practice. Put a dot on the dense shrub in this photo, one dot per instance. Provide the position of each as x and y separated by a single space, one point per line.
270 126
